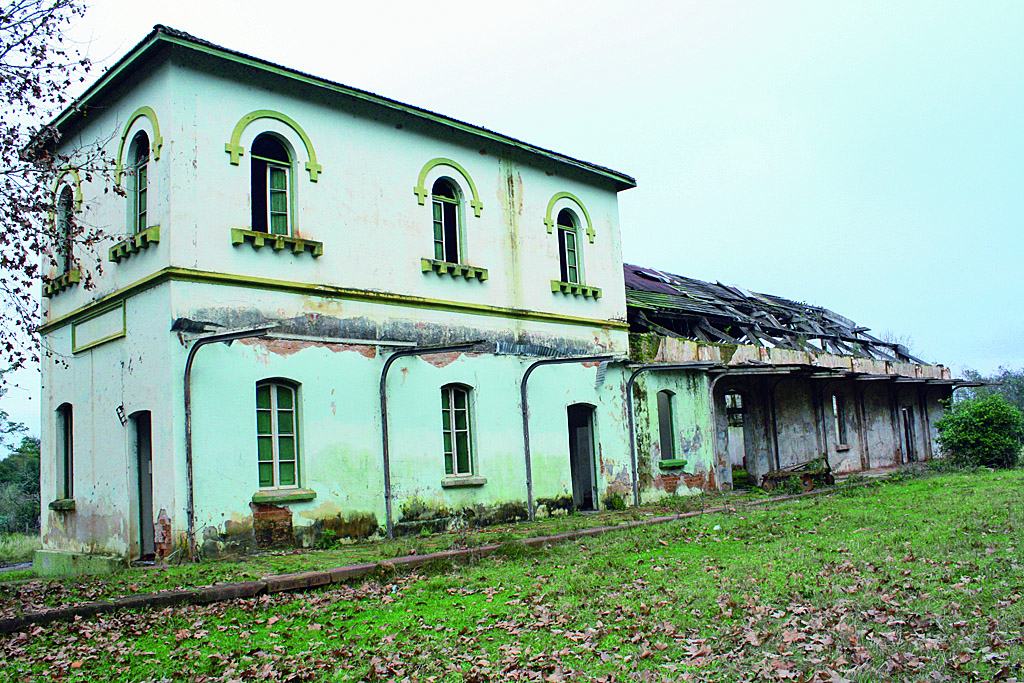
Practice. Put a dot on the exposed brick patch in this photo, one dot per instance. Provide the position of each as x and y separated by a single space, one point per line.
287 347
162 538
272 525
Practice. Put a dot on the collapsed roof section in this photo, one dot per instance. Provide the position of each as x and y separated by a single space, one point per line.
677 306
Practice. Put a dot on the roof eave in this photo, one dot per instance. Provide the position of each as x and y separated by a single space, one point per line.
160 34
110 77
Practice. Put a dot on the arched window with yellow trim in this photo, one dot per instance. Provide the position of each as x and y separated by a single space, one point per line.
138 191
65 224
271 186
277 434
568 246
457 430
447 212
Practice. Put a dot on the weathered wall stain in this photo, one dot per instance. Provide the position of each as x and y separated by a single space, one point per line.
288 347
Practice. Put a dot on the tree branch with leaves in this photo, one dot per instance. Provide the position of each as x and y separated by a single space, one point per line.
38 68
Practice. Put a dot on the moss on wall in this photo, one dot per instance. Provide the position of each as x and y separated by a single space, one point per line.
643 347
644 434
419 516
553 506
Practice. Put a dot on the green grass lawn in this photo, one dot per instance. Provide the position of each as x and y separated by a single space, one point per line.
19 592
914 581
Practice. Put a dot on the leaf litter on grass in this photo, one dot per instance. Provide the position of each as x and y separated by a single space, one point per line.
786 594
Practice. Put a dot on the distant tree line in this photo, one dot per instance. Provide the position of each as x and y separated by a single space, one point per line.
19 475
1006 382
19 488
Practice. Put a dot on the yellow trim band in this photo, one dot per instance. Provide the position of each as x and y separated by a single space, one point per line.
421 191
235 149
154 145
326 291
549 222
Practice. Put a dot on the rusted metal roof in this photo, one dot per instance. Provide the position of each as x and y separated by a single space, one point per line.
679 306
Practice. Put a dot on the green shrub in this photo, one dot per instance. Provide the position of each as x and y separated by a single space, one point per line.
791 486
328 539
615 501
986 431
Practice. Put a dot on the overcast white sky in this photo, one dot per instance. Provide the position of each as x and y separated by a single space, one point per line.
863 156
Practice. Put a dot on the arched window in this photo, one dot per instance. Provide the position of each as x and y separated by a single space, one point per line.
277 435
447 204
65 230
666 430
138 201
65 452
568 250
271 186
455 420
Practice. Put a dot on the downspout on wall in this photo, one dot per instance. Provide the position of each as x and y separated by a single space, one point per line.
525 408
386 453
228 336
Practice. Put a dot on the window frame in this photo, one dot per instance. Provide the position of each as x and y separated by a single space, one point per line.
65 216
65 432
275 434
666 424
139 196
438 204
449 426
735 414
569 268
268 165
842 433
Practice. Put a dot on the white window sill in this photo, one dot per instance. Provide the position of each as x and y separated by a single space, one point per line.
283 495
452 481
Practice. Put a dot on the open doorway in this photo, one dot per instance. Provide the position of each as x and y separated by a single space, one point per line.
581 456
144 475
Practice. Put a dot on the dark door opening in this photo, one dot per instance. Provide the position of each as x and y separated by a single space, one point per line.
581 456
908 433
144 463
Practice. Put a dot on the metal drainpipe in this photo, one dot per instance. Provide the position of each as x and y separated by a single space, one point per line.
629 409
526 415
198 344
415 351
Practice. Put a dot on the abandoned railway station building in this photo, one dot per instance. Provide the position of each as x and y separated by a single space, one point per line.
321 309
